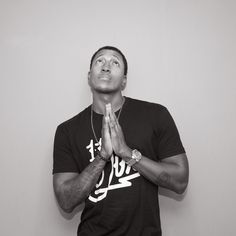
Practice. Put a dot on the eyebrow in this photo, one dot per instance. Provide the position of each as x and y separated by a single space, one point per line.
99 55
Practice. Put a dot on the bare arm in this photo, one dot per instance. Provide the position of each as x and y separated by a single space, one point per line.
71 189
171 173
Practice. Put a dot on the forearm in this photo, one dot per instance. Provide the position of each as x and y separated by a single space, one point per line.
166 175
74 191
171 173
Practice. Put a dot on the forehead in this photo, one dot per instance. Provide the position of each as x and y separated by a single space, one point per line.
109 53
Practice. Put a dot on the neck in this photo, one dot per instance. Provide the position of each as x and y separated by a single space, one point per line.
100 101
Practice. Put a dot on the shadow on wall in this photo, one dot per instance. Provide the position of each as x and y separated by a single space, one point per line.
170 194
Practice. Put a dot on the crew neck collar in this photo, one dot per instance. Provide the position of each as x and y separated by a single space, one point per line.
123 106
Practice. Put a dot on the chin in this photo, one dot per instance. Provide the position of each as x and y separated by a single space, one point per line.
106 90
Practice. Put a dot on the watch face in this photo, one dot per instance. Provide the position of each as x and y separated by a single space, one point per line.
136 155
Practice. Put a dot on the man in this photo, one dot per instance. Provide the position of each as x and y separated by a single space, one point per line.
114 155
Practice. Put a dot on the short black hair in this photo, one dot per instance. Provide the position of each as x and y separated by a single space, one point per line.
113 49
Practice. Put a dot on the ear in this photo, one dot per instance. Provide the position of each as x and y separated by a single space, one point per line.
89 77
124 82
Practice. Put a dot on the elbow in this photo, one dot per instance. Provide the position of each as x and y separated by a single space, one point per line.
180 188
182 183
66 209
67 205
64 203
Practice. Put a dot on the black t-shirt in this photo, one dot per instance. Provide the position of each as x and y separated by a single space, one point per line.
123 202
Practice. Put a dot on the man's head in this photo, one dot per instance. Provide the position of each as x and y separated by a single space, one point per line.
108 70
113 49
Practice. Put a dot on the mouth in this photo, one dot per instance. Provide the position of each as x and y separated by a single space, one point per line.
104 77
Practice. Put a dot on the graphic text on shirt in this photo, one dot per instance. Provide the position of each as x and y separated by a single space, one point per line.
119 174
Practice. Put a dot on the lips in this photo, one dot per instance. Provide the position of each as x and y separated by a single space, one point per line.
104 77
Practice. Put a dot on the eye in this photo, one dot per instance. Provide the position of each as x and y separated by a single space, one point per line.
100 61
115 63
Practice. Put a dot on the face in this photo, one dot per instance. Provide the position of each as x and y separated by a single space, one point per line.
107 72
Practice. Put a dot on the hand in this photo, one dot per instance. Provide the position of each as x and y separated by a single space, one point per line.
117 137
106 147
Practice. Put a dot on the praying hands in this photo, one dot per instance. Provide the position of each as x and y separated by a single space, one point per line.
112 136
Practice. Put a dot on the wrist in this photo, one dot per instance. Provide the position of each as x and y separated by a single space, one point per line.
126 154
104 156
135 157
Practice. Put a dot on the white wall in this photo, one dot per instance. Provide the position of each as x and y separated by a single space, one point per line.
181 54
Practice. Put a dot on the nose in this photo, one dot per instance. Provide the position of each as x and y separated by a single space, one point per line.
106 67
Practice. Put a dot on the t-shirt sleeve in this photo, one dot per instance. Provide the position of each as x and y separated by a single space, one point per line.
63 160
169 142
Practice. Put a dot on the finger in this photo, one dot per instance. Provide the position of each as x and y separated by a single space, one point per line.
105 124
111 121
108 109
113 124
113 117
106 118
113 130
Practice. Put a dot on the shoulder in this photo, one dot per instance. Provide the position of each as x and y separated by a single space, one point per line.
75 121
146 106
155 113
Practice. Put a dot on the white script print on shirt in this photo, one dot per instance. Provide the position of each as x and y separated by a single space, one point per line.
119 170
